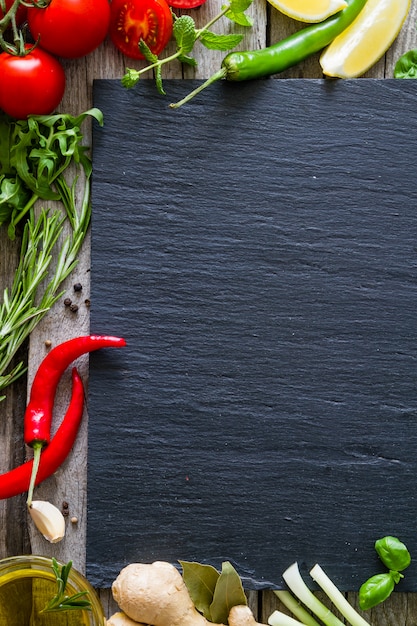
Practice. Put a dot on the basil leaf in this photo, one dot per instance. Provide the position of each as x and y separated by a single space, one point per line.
406 66
375 590
393 553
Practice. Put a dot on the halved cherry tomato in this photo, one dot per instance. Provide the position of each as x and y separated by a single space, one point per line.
133 20
185 4
70 28
30 85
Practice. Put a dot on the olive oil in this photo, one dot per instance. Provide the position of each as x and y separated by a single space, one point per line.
24 594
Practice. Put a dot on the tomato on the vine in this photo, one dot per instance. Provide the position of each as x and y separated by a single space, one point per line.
133 20
70 28
33 84
20 13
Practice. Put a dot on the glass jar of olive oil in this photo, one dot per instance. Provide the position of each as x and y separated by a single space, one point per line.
28 583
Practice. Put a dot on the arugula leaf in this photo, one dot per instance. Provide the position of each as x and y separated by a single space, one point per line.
13 195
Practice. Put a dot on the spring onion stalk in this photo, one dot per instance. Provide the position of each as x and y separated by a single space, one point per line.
281 619
295 607
338 599
297 585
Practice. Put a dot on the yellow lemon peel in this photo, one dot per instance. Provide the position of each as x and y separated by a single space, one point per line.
309 10
366 40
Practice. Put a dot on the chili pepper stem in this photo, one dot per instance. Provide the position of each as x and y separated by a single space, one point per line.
221 73
37 449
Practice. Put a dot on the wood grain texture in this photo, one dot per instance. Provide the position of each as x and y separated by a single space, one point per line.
107 63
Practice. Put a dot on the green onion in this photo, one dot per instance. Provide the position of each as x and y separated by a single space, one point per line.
297 585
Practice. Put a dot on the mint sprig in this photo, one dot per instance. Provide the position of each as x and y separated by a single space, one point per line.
62 602
186 35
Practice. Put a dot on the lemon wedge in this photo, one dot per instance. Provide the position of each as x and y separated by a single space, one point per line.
309 10
364 42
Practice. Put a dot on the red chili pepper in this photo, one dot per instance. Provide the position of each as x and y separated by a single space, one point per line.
38 414
17 480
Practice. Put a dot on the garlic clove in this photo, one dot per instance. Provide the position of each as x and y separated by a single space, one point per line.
48 520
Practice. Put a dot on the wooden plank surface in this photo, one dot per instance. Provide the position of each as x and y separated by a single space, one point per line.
70 482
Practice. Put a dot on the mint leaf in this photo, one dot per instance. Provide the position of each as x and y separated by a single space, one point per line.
158 80
146 51
187 60
185 34
239 6
212 41
239 18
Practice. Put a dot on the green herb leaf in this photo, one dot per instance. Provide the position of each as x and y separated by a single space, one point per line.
130 78
212 41
393 553
228 593
406 66
62 602
239 6
40 150
147 53
375 590
13 196
187 60
200 581
185 33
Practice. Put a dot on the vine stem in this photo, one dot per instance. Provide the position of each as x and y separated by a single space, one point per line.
221 73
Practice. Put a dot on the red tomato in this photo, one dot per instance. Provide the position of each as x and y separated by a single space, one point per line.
70 28
133 20
185 4
20 13
30 85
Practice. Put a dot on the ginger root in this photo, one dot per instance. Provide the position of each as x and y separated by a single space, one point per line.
121 619
241 615
156 594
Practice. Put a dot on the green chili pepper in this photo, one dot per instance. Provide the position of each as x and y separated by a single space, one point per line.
293 49
375 590
393 553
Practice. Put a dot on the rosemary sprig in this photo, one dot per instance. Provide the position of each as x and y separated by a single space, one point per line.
62 602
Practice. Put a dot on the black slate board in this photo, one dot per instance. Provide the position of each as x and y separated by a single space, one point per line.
257 248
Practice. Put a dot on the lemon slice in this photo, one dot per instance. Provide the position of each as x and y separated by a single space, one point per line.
309 10
364 42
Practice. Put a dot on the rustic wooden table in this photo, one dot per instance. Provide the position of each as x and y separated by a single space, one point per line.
69 483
